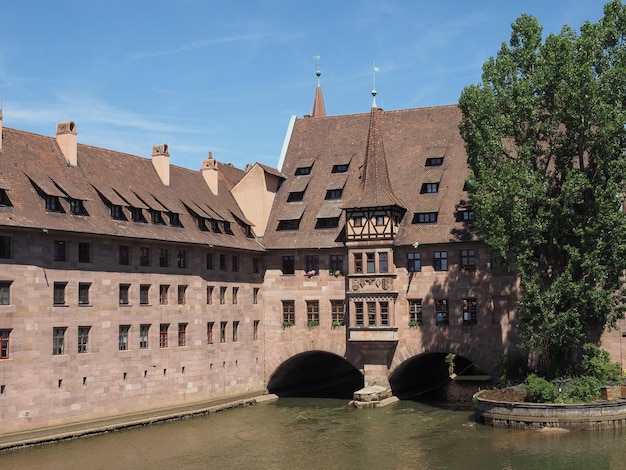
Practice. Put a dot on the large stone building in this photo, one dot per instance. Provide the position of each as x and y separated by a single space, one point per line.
130 284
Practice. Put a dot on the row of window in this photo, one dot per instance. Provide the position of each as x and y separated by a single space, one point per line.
337 312
60 298
469 311
343 167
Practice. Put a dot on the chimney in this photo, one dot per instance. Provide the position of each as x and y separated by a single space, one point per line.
210 173
0 128
161 162
66 138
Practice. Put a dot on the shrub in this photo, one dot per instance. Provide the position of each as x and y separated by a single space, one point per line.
597 363
584 389
539 390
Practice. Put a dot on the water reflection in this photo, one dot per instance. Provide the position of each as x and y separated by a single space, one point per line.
325 434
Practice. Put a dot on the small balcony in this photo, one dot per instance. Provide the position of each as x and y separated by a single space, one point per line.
381 334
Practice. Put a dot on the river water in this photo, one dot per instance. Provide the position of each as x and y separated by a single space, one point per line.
316 433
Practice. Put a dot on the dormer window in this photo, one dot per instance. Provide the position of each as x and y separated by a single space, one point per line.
303 170
296 196
465 215
290 224
201 223
425 218
434 161
340 168
137 214
174 218
333 194
357 221
52 203
4 199
430 188
156 217
227 228
215 227
76 206
116 212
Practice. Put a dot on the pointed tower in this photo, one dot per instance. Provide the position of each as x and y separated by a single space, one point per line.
319 110
374 211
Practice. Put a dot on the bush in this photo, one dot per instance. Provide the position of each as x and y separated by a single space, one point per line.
584 389
597 363
539 390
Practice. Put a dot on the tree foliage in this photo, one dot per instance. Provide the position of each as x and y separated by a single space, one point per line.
545 138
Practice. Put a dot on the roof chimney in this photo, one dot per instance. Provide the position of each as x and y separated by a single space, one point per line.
210 173
161 162
66 138
0 128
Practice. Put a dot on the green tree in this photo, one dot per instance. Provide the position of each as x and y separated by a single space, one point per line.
545 138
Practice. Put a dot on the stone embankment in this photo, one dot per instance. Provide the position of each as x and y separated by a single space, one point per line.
604 414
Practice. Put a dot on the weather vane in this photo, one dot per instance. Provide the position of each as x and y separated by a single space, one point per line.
375 69
318 73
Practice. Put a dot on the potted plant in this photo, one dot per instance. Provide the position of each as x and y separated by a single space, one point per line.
336 323
310 273
414 324
312 323
287 324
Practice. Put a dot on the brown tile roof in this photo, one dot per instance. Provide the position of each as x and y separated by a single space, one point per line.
410 137
319 110
103 177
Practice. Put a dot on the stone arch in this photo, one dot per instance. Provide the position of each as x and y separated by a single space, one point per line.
277 356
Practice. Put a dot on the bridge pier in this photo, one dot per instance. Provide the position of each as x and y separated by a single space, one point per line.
374 358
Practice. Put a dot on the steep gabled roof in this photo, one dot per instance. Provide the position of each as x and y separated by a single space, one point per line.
375 189
411 137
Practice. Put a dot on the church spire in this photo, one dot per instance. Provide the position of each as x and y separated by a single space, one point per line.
319 110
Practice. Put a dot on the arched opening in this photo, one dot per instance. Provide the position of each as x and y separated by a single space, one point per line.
436 376
316 374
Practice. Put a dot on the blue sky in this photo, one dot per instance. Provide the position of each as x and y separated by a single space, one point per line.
225 76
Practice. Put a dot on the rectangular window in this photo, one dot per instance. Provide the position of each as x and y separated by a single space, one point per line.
425 218
116 212
312 313
255 265
288 265
222 262
381 220
235 292
358 312
124 255
341 168
164 258
469 311
174 219
255 330
137 214
337 310
209 332
144 331
58 340
222 295
83 293
156 217
76 206
357 221
124 294
384 313
182 258
235 263
144 256
312 265
123 337
255 295
332 194
144 294
5 247
182 295
83 339
289 224
358 262
59 293
429 188
440 261
4 343
52 203
295 196
414 262
235 330
182 334
442 316
383 262
58 253
415 312
163 294
303 170
209 295
163 337
209 261
84 252
289 313
371 262
336 264
468 260
434 161
223 331
5 292
371 313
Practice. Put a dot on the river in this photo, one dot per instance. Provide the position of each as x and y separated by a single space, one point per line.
316 433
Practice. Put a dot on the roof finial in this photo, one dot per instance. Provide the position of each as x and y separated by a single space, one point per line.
374 70
318 73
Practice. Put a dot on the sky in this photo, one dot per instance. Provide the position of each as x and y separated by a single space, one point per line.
226 76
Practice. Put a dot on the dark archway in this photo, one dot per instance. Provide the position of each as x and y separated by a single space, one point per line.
426 375
316 374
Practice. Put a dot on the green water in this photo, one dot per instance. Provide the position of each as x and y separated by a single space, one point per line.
299 433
